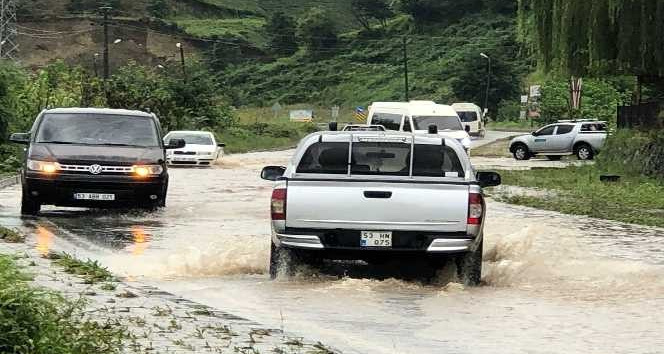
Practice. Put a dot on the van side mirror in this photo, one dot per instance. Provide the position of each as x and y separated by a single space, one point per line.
535 134
433 129
273 173
467 128
175 144
489 179
20 138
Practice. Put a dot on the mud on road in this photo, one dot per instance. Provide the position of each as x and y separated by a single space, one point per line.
552 283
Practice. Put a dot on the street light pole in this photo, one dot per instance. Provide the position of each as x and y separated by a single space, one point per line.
488 81
405 69
184 68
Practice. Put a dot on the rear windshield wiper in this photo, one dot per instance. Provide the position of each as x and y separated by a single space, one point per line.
59 142
127 145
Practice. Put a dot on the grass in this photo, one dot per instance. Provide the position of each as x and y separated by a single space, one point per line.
11 236
578 190
257 136
515 126
248 29
91 271
33 320
498 148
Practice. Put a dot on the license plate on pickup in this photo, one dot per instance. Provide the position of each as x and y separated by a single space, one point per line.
376 239
94 196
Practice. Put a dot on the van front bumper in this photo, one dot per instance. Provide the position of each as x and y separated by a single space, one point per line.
59 189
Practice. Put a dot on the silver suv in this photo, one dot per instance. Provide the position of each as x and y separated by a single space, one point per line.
581 138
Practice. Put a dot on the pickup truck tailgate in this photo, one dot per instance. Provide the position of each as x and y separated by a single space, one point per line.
378 206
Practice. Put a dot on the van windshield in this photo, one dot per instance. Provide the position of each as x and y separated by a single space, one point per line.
443 123
97 129
468 117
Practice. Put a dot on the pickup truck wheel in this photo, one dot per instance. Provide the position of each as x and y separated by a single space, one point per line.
285 261
584 152
29 206
469 267
554 157
521 152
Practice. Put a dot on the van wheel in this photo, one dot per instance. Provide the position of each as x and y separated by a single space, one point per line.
554 157
521 152
469 267
29 206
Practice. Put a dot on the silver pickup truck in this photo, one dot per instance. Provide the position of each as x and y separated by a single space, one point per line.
581 138
378 196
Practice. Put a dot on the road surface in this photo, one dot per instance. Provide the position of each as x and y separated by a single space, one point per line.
552 283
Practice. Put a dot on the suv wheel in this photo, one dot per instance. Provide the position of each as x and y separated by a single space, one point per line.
29 206
469 267
584 152
521 152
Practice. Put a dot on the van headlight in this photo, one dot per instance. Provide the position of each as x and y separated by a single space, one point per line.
147 170
43 166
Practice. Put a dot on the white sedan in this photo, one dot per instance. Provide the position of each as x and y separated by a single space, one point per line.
201 149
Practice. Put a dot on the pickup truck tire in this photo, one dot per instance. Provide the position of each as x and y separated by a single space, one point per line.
285 261
469 267
521 152
29 206
584 152
554 157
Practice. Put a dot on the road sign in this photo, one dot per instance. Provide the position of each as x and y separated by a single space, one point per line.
302 115
360 114
535 91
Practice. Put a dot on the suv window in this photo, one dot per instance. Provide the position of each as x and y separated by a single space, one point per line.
391 121
564 129
546 131
97 129
594 127
327 158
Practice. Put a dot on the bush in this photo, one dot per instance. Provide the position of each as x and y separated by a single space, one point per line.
632 153
36 321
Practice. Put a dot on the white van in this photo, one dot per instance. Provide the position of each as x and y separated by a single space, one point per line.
471 115
417 116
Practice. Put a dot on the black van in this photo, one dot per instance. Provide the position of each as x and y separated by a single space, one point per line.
98 158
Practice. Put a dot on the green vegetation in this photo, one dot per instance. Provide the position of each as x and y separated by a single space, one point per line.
37 321
637 198
90 270
246 29
11 236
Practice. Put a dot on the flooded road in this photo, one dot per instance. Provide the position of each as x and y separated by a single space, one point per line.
552 283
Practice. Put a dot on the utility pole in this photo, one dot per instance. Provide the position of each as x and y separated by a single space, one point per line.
405 68
8 44
184 67
488 81
107 70
94 64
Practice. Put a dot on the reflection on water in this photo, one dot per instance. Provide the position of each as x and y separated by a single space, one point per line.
44 240
141 240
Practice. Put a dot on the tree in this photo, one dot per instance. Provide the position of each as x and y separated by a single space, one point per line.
501 6
439 10
317 31
471 79
367 10
280 29
158 8
596 37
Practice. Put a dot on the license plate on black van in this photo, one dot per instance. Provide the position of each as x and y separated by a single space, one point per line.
376 239
94 196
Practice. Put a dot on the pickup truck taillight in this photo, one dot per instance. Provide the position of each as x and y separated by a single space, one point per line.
475 208
278 204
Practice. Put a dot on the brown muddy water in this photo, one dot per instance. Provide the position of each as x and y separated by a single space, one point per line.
552 283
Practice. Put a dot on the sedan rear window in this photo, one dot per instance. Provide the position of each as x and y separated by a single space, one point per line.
381 159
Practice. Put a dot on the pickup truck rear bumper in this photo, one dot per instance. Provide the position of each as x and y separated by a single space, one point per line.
349 240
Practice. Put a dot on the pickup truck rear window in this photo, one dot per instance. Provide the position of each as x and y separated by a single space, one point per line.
325 158
381 159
